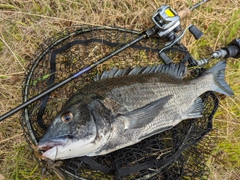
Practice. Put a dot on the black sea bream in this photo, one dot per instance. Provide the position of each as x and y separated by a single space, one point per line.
126 106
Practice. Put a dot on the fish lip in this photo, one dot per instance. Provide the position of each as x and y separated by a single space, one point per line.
51 153
45 145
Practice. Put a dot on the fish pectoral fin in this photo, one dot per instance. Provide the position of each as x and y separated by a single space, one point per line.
144 115
195 111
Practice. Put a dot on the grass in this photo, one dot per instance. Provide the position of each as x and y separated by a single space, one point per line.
24 25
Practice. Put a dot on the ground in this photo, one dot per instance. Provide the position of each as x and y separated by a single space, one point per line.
24 24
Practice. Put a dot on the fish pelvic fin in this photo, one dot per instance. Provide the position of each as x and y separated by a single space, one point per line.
220 84
144 115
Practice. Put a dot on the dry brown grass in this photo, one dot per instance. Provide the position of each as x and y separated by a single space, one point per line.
25 23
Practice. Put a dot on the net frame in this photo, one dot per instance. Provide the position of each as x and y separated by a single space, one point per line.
79 46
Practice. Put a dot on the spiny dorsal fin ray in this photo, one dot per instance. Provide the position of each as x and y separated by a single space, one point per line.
176 70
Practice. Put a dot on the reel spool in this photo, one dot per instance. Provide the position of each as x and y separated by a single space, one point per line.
179 153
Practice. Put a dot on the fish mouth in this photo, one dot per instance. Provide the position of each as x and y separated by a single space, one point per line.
45 145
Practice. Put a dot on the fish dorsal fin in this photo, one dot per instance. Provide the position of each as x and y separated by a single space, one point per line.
177 70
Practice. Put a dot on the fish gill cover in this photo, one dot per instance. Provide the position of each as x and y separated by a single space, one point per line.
178 153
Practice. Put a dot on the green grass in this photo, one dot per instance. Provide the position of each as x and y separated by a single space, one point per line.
24 25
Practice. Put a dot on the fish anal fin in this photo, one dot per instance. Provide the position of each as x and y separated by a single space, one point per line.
144 115
195 111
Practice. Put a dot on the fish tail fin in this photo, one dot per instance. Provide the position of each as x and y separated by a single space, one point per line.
220 84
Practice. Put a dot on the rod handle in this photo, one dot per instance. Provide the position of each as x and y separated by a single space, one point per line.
184 13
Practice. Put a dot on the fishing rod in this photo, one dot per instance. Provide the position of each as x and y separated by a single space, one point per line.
167 25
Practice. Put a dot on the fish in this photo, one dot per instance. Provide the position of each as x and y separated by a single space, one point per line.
124 106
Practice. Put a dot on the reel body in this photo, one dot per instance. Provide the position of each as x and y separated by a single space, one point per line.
167 21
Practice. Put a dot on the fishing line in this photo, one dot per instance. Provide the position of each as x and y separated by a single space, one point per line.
56 152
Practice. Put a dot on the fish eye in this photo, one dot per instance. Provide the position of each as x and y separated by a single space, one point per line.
67 117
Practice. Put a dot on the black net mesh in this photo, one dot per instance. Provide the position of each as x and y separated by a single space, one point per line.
179 153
